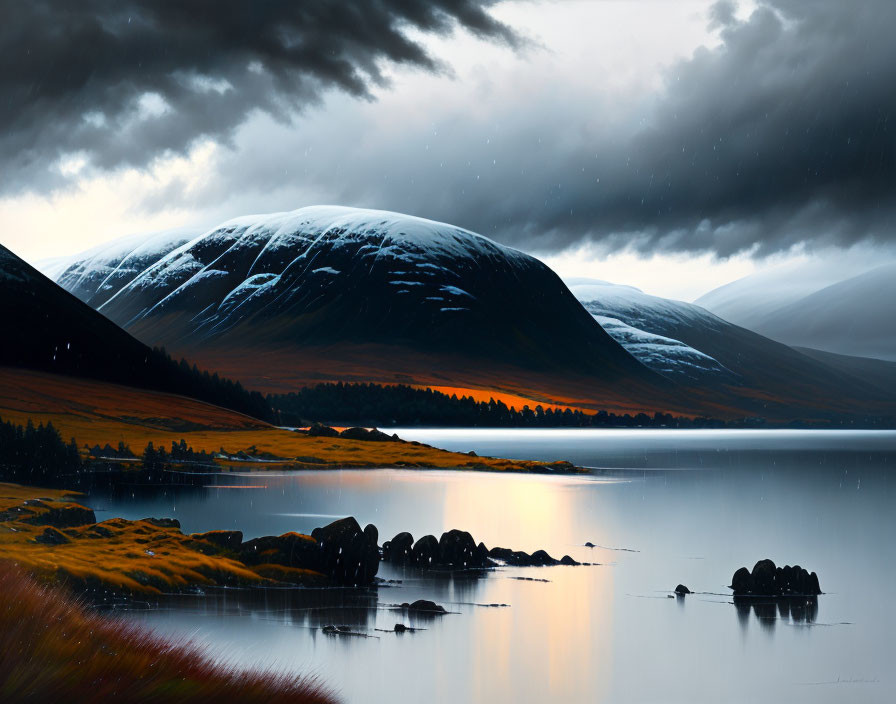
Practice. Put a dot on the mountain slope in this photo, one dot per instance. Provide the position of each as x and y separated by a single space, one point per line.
751 298
361 290
97 273
328 293
839 306
853 317
50 330
728 357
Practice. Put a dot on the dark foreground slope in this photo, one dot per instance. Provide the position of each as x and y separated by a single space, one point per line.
55 650
50 330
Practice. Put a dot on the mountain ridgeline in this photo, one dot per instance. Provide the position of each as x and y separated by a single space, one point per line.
324 294
325 276
52 331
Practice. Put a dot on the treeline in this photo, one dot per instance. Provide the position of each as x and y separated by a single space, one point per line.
159 459
186 380
372 404
35 455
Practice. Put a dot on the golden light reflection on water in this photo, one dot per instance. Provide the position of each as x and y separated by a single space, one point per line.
566 639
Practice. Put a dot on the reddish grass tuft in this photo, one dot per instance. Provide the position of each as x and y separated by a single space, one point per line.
53 649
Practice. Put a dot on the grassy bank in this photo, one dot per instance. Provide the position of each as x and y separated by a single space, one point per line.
38 532
96 413
54 650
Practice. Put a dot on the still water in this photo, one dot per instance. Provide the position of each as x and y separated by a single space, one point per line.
665 507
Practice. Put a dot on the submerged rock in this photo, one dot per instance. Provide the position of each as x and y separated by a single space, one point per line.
539 558
424 606
768 580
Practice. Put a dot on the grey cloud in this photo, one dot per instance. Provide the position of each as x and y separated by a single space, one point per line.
785 133
781 135
73 73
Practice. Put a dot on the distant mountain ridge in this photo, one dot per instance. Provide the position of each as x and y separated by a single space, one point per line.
853 316
684 340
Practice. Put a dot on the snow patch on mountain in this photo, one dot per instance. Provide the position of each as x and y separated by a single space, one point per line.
665 355
645 326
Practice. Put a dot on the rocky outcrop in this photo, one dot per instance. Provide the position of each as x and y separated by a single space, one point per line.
289 550
322 431
63 516
51 536
398 550
539 558
366 435
458 550
768 580
163 522
348 555
425 553
227 539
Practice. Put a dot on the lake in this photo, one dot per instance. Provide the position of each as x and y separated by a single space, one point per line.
664 507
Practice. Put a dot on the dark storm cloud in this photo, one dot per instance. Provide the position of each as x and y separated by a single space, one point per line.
83 76
780 135
786 132
783 134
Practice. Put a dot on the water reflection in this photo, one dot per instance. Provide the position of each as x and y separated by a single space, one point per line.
768 612
605 633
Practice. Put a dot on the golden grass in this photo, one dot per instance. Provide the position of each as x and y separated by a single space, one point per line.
96 413
54 650
120 555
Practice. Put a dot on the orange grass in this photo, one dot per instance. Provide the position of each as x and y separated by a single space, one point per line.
96 413
52 649
122 556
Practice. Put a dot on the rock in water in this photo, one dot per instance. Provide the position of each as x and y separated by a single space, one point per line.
398 550
681 590
425 552
768 580
458 549
424 606
348 555
289 549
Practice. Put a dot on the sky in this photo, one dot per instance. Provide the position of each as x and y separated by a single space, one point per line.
670 146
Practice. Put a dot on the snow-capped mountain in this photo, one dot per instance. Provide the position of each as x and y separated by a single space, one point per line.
330 275
94 275
330 293
644 326
665 355
684 340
